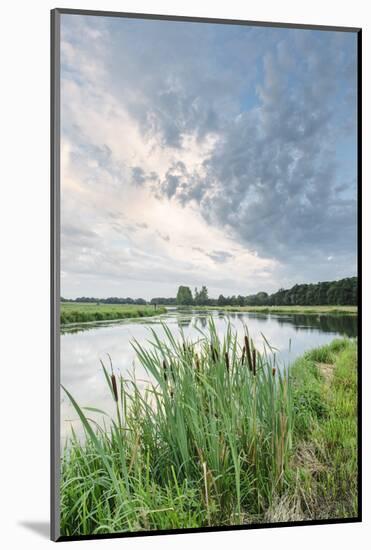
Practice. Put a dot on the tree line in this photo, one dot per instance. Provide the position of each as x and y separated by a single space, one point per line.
342 292
112 300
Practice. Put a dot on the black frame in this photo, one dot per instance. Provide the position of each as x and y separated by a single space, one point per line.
55 270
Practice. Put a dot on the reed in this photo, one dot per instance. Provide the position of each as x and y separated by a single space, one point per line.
207 442
205 426
78 313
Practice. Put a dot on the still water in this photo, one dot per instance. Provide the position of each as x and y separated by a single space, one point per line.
82 348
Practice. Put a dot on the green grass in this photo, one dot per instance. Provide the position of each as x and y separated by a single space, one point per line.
221 437
325 385
307 310
74 312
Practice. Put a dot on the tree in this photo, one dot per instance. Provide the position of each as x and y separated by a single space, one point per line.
261 298
203 296
184 296
196 297
240 300
221 300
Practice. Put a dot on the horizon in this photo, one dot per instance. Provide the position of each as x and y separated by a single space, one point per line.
199 287
188 149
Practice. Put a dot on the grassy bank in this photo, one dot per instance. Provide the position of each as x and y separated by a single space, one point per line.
222 437
72 312
303 310
325 445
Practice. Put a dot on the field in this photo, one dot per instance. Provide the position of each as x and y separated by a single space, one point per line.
303 310
74 312
221 437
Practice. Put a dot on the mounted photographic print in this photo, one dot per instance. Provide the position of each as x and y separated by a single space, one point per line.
205 264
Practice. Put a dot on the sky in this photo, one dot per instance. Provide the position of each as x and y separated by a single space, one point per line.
205 154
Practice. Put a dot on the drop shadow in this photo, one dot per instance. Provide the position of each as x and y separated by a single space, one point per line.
41 528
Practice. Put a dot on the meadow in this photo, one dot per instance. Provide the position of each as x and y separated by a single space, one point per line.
303 310
75 312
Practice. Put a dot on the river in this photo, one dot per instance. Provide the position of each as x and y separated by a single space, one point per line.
83 347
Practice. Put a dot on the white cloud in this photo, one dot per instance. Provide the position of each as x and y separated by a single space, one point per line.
164 171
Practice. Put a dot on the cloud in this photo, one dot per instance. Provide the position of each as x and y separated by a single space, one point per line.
220 256
192 148
273 178
138 175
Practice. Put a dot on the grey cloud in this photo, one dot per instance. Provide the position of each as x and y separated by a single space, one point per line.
163 236
220 256
272 181
179 182
178 78
138 175
198 249
78 232
282 103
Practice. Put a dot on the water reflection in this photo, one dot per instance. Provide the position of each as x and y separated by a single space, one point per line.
82 347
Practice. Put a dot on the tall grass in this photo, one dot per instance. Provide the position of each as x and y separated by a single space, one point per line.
301 310
72 312
325 439
221 436
208 442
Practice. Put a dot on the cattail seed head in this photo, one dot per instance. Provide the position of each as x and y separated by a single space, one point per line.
165 368
254 361
243 355
172 370
214 354
114 387
248 353
197 361
227 360
274 372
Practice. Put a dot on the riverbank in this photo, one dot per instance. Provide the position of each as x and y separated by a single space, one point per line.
325 436
74 312
232 439
303 310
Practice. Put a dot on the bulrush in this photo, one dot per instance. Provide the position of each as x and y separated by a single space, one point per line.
254 361
197 361
114 388
222 438
274 372
243 355
227 360
164 365
214 353
248 352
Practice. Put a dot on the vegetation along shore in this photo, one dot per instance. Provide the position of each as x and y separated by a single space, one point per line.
299 310
223 436
336 297
75 312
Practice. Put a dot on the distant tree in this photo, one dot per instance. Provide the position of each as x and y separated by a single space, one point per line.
196 297
184 296
163 301
221 300
332 293
203 296
262 298
342 292
240 300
